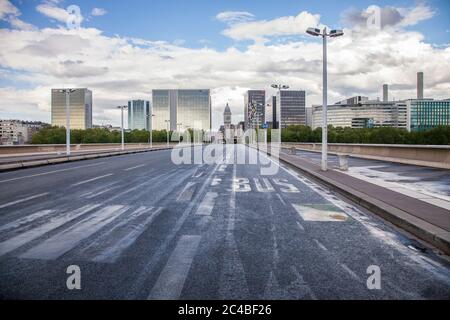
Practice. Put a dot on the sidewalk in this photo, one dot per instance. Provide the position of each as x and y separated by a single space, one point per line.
425 220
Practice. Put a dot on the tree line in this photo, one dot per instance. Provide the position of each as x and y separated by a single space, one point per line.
57 135
384 135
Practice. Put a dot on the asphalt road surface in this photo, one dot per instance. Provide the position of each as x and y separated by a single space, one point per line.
141 227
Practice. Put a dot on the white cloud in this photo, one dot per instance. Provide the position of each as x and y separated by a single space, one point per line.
98 12
259 30
50 9
414 15
118 68
10 14
232 17
7 8
53 12
388 16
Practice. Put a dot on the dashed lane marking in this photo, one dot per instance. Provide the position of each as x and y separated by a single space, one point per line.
90 180
50 172
9 204
171 280
206 206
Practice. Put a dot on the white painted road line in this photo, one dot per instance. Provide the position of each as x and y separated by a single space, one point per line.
9 204
321 246
132 168
67 239
350 271
187 193
206 206
50 172
27 236
320 212
125 234
170 282
281 199
25 220
90 180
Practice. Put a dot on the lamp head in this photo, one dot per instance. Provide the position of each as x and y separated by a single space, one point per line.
336 33
313 31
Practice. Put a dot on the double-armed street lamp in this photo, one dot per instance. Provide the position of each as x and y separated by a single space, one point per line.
67 93
333 34
121 126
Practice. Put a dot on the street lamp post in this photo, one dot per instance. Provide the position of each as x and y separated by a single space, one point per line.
168 129
333 34
121 126
179 124
67 93
151 129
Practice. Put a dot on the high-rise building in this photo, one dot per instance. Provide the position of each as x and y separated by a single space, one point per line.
227 117
80 108
273 104
427 114
138 115
385 93
254 108
420 85
292 107
181 109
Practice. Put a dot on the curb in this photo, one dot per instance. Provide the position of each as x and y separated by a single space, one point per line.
428 232
12 166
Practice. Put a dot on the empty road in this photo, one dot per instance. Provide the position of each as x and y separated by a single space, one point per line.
139 226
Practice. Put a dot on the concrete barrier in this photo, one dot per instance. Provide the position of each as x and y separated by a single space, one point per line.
55 148
19 164
421 155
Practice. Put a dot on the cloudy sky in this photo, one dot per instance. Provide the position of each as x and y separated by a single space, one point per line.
122 50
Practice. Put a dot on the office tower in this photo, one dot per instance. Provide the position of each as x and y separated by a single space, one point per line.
385 93
80 108
181 109
227 117
292 107
254 108
274 112
139 115
426 114
420 85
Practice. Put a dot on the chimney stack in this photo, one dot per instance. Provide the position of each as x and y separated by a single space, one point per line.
420 85
385 93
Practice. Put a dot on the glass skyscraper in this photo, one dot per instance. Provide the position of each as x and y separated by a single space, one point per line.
427 114
292 107
182 108
138 115
80 108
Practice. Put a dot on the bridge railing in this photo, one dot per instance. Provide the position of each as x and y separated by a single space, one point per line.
423 155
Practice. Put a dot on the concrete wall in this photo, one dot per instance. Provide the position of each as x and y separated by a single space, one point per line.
429 156
51 148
